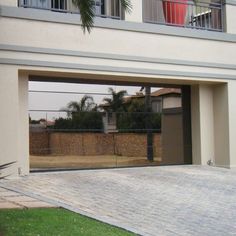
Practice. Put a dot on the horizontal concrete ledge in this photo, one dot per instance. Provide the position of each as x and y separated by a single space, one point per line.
62 52
230 2
112 69
69 18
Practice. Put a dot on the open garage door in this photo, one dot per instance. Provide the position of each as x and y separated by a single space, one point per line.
96 126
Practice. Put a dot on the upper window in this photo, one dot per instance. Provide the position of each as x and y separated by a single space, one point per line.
45 4
59 4
190 14
103 8
108 8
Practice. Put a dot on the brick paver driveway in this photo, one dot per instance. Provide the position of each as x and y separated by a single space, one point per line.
174 200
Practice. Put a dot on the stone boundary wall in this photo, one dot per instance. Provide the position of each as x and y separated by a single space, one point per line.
39 143
91 144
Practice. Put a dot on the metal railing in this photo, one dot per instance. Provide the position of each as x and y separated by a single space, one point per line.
184 13
102 8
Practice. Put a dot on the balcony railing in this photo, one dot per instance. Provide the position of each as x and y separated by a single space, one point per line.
102 8
206 15
184 13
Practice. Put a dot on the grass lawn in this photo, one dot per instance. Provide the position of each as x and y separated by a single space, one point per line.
53 221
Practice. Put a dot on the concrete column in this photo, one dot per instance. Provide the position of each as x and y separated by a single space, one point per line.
23 125
202 116
230 17
136 15
214 124
107 7
9 118
232 122
221 125
13 123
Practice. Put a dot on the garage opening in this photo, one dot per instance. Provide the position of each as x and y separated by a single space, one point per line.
86 126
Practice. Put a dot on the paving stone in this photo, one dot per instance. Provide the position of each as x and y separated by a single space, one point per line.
2 189
10 199
20 198
152 201
8 205
2 199
36 204
8 193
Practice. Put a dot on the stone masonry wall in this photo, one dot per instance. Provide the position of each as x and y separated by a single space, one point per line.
39 143
83 144
136 144
89 144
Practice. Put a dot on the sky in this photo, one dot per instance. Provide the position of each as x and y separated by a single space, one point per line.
50 101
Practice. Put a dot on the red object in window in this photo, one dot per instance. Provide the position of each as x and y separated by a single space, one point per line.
175 11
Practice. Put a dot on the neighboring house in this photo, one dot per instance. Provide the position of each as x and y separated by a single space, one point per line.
41 126
109 122
165 97
170 98
37 127
158 44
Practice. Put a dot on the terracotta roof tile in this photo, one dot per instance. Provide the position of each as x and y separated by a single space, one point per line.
165 91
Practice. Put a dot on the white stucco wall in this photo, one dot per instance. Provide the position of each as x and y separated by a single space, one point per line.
171 102
232 121
136 13
230 13
37 34
202 124
213 124
23 125
12 3
221 125
13 125
207 123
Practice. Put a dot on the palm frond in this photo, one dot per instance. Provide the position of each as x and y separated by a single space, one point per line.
87 103
126 4
116 100
122 93
107 100
111 90
87 13
73 106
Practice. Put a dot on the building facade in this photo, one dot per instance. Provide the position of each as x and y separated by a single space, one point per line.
194 47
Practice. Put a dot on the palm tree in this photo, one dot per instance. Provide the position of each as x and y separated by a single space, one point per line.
116 102
82 116
86 8
86 104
